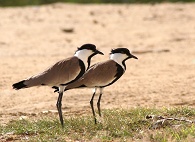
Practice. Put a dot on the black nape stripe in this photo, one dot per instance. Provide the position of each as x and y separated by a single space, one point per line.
123 62
89 60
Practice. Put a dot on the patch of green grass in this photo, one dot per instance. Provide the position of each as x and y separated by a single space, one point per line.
115 125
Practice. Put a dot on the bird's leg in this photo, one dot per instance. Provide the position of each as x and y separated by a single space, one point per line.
59 105
98 103
91 103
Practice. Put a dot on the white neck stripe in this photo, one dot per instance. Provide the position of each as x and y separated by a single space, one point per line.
83 55
119 58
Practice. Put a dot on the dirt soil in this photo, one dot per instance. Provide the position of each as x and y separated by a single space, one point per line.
162 36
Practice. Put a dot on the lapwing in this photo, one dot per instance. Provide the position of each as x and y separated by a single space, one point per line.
62 73
103 74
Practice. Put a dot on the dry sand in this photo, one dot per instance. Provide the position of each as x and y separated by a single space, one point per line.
33 38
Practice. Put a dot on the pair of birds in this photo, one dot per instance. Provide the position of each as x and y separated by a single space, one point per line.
76 72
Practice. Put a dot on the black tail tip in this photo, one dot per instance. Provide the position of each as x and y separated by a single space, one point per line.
19 85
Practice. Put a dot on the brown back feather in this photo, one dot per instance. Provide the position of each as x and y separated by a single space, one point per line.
60 73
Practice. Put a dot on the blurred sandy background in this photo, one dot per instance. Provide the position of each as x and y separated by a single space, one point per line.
162 36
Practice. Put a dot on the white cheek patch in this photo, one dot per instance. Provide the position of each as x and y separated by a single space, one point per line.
83 55
118 57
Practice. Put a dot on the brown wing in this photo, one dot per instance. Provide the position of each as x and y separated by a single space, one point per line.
61 72
100 74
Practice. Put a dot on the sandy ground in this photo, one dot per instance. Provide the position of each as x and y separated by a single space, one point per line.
33 38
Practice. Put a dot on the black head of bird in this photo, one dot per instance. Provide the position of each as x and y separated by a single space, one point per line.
89 47
87 51
123 53
120 55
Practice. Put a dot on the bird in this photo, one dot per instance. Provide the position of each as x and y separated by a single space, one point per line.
103 74
62 73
